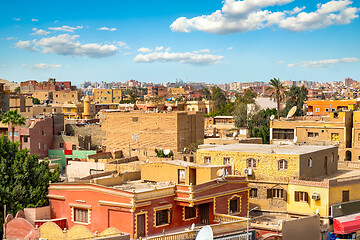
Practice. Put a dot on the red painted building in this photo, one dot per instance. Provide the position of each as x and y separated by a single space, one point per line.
157 90
144 208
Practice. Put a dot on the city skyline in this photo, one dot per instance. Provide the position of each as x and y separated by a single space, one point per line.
211 42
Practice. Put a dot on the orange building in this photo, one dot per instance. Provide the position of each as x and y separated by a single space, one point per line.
323 107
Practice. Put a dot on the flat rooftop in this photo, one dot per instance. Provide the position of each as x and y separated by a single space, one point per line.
139 186
266 148
187 164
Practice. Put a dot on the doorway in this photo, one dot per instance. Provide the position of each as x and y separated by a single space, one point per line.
140 226
326 164
204 213
348 156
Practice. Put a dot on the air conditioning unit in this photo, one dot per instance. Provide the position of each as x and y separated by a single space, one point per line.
248 171
315 196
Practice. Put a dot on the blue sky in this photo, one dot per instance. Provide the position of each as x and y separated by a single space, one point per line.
161 41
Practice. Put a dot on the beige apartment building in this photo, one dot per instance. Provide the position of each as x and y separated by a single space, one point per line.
206 107
108 95
138 132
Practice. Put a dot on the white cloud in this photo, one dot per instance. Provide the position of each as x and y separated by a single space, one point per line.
124 45
39 32
280 62
67 45
24 65
65 28
248 15
106 29
56 21
158 49
203 51
127 53
323 63
27 45
144 50
17 19
34 20
4 65
45 66
230 48
187 57
9 38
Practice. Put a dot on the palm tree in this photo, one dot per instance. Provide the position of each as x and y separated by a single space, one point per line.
277 93
14 118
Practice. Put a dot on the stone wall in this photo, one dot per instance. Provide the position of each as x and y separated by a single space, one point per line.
94 130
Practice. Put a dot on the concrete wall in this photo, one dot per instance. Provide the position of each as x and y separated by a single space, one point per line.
40 213
77 169
94 130
303 228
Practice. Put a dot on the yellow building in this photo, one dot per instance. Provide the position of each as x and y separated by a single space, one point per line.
206 107
176 90
108 95
269 167
76 110
318 195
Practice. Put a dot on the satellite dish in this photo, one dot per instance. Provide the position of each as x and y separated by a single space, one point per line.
166 151
317 211
292 112
272 117
169 109
205 233
235 134
192 226
220 173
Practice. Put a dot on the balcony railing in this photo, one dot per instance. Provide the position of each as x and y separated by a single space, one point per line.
176 236
227 218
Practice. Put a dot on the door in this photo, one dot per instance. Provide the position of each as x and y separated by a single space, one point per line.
140 226
181 176
204 213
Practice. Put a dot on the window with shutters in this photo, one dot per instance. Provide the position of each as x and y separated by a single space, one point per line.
81 215
276 193
253 193
163 217
282 165
301 196
283 133
190 212
345 196
251 163
226 161
207 160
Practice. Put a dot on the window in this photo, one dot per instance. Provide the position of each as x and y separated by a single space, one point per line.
317 109
316 134
81 215
358 136
251 163
226 161
44 146
333 109
283 133
163 217
253 193
72 95
334 136
39 146
43 132
190 212
310 134
26 139
61 145
283 164
326 109
345 196
57 95
301 197
234 205
310 162
277 193
332 157
207 160
135 119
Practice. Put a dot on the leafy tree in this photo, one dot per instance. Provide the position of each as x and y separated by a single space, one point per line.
296 97
207 95
133 96
277 93
14 118
17 90
24 181
219 98
160 153
249 96
124 101
35 101
259 124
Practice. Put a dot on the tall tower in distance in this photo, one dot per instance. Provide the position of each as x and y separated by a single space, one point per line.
86 114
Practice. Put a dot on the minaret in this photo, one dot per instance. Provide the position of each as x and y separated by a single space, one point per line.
86 114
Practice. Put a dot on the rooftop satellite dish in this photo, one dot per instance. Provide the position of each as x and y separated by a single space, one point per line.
235 134
205 233
169 109
292 112
220 173
272 117
166 151
192 226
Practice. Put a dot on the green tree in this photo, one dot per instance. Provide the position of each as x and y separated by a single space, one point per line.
17 90
207 95
247 97
296 97
14 118
24 181
219 98
277 93
133 96
35 101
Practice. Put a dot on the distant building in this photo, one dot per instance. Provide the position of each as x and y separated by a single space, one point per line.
349 82
51 85
108 95
157 90
205 106
142 132
324 107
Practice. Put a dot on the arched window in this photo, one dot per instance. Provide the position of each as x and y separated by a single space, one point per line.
283 164
251 163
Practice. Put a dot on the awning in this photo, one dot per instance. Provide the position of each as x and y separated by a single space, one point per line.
347 224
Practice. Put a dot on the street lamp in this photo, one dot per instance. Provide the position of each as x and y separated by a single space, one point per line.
247 226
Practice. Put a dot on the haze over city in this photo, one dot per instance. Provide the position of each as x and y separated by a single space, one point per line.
161 41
